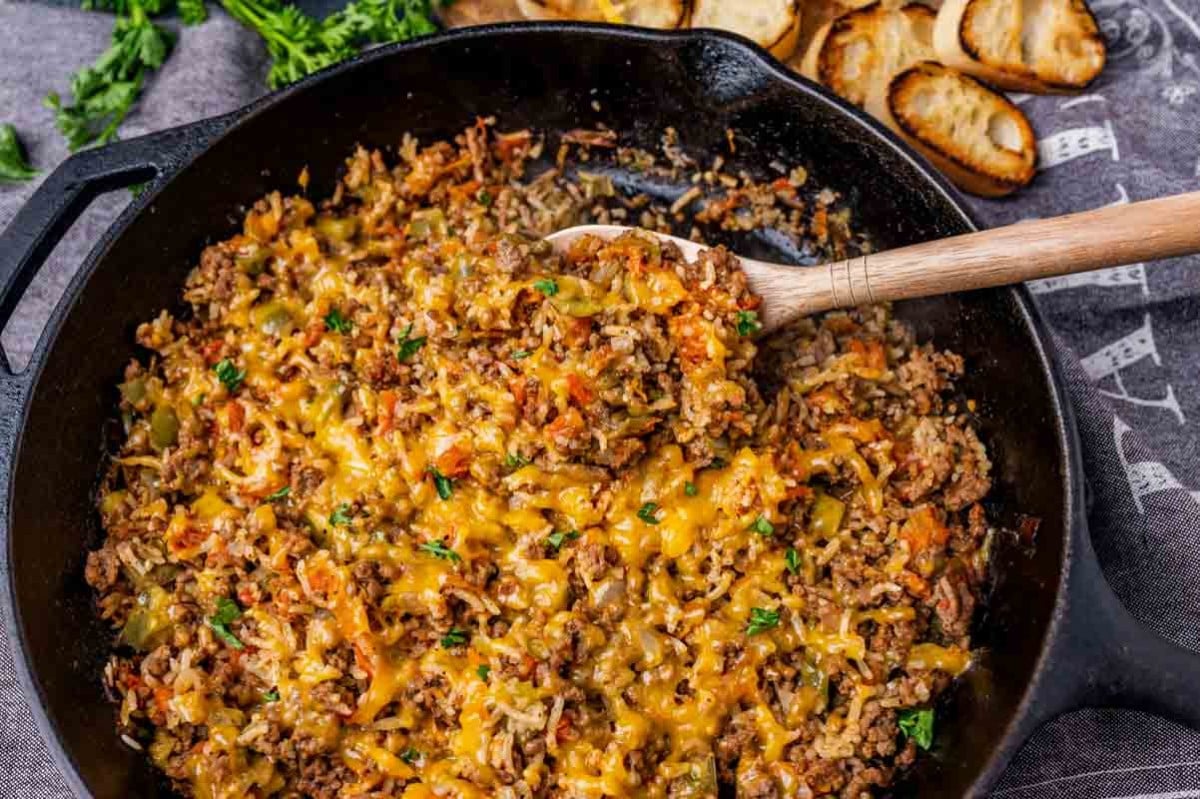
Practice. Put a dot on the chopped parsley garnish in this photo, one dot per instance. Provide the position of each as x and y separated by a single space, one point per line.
762 620
647 511
336 322
483 671
792 560
341 515
762 526
556 540
275 496
515 460
747 323
456 637
227 612
229 374
410 755
547 286
407 347
485 198
917 725
690 489
440 551
443 484
716 463
271 695
521 355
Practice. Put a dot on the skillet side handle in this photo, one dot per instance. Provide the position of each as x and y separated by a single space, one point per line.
55 205
1110 659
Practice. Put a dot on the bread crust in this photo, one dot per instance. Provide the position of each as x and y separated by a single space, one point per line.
785 41
956 47
974 174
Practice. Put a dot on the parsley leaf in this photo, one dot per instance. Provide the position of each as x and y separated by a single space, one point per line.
515 460
103 93
556 540
456 637
483 671
13 165
300 45
440 551
791 559
747 323
443 484
275 496
410 755
520 355
336 322
917 725
690 489
341 516
647 511
229 374
191 12
227 612
271 695
762 620
762 526
407 347
484 197
547 286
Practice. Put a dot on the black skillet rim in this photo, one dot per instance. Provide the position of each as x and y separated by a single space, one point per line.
228 125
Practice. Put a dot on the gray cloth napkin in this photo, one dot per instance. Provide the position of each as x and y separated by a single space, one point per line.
1128 340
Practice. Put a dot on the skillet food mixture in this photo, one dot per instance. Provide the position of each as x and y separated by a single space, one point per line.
408 506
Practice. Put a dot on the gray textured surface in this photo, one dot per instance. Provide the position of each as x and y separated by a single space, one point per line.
1128 340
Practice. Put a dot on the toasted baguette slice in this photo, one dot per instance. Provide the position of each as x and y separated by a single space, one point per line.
974 135
1022 45
858 53
772 24
666 14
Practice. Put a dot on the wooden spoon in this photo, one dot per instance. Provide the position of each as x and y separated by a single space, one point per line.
1109 236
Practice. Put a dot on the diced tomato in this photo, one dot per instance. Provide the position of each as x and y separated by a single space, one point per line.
578 390
212 351
235 416
827 400
386 412
362 658
578 330
162 696
190 538
914 583
870 353
464 191
517 386
923 529
453 461
509 144
566 425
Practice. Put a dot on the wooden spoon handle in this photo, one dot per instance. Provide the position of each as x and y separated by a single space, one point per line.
1109 236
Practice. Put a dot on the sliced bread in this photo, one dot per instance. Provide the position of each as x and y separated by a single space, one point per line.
974 135
773 24
666 14
1022 45
857 53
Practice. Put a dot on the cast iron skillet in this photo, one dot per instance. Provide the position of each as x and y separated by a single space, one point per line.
1054 636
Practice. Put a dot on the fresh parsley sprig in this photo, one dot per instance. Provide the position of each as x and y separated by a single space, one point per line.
300 45
13 165
102 94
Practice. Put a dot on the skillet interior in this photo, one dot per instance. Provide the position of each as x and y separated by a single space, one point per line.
548 79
